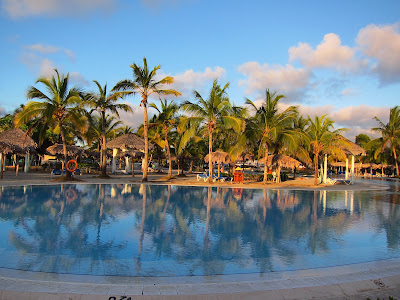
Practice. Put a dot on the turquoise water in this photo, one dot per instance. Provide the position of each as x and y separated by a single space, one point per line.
150 230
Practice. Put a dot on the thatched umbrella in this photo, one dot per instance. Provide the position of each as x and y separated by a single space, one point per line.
6 148
57 150
23 143
279 161
218 157
131 154
125 142
17 137
245 157
353 149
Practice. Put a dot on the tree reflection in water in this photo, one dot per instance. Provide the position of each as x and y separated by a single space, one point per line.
146 230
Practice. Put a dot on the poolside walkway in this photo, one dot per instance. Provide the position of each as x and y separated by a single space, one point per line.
359 281
188 179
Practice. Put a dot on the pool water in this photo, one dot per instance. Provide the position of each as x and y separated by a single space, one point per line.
151 230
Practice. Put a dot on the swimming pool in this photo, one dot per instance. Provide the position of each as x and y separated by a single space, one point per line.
150 230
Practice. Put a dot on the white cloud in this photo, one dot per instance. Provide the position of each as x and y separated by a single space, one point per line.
78 79
135 118
43 48
330 53
70 55
190 80
358 119
49 49
26 8
383 45
47 68
285 80
348 92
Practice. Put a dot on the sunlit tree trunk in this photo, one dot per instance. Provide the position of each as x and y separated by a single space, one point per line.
67 174
395 159
210 165
265 164
146 139
103 146
316 168
168 152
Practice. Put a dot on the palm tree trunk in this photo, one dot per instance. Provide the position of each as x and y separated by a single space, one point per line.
67 174
146 139
103 145
315 168
265 164
168 152
278 173
395 159
210 166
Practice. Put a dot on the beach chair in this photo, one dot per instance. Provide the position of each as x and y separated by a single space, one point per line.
77 172
205 177
331 181
56 172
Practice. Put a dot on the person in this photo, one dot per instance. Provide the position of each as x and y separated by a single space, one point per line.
273 176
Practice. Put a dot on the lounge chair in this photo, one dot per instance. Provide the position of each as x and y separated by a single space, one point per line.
77 172
205 177
56 172
331 181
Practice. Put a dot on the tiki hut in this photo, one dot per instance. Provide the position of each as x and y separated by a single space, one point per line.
281 161
18 137
218 157
22 142
132 154
126 142
353 149
58 150
245 157
6 148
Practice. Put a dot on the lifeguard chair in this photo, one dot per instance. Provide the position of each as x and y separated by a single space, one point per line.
238 175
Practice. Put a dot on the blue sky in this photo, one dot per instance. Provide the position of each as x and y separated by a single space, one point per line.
336 57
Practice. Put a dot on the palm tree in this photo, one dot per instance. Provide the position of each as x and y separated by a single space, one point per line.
124 130
270 126
390 133
58 108
213 112
94 135
145 83
103 102
322 139
166 120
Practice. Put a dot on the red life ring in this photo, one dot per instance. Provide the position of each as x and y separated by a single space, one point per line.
74 167
70 195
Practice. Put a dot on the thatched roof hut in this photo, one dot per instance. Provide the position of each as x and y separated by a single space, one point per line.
245 157
131 153
20 139
57 149
282 160
352 148
128 141
219 157
6 148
